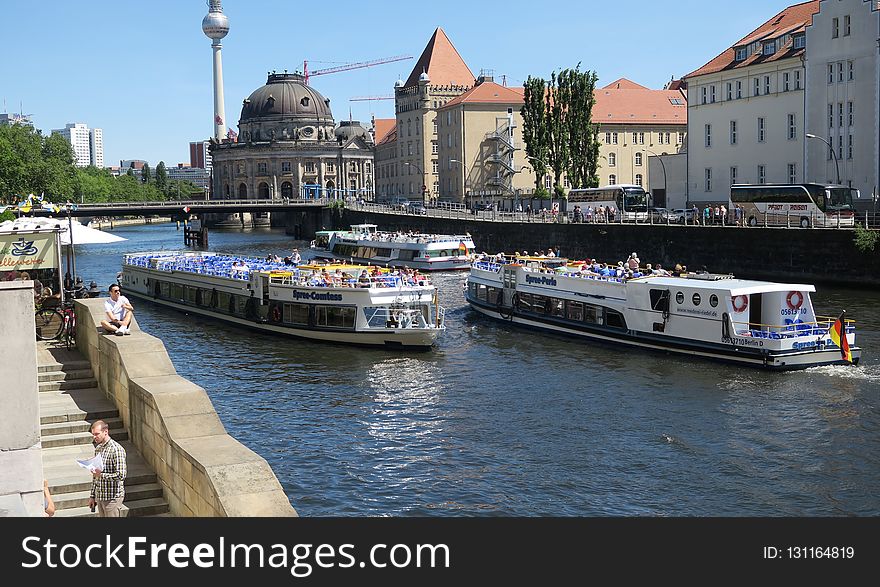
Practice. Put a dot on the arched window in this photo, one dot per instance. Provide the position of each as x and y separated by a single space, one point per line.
638 179
612 179
263 191
612 159
242 191
286 190
638 158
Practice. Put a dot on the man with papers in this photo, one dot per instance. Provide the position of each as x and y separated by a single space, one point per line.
108 472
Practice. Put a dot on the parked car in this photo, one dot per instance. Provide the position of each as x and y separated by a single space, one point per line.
682 216
660 215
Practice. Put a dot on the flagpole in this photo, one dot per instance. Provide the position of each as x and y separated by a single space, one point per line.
70 236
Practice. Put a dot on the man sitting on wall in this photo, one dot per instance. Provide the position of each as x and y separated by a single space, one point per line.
119 312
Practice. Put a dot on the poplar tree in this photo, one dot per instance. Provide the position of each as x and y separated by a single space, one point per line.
583 143
161 176
556 101
535 127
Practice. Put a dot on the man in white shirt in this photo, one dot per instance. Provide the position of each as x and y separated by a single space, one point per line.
119 312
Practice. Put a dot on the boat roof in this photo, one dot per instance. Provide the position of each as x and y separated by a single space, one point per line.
362 226
736 287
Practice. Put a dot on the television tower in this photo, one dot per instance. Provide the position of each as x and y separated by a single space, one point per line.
215 25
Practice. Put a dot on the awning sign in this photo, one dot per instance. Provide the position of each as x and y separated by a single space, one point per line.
24 251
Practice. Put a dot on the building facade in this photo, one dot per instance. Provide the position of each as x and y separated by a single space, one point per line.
408 158
289 146
200 155
88 144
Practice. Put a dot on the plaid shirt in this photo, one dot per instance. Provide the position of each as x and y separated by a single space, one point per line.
110 484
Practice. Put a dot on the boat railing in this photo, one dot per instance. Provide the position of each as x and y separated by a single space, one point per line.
384 317
304 279
790 329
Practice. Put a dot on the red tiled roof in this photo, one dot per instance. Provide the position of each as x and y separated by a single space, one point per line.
390 137
639 106
624 84
789 20
488 93
383 126
442 63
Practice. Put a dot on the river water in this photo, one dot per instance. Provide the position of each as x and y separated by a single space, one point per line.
497 421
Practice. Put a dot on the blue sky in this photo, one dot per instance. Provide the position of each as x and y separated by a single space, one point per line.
142 70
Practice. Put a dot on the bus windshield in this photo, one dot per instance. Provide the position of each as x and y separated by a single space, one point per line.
838 199
635 200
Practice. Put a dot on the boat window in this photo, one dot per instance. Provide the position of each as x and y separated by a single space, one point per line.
660 300
576 311
383 252
524 302
224 301
593 314
679 297
240 305
614 319
696 299
713 301
492 295
191 294
481 292
406 254
296 314
177 291
334 316
557 308
165 289
539 304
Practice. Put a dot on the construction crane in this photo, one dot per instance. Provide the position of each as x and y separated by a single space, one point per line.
364 98
347 66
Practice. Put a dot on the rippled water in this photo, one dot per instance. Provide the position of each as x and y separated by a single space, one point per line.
498 421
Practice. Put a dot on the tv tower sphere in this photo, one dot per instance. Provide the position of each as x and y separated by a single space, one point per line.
215 24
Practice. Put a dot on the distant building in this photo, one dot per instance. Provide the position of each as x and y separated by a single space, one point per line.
88 144
10 119
136 164
197 175
200 155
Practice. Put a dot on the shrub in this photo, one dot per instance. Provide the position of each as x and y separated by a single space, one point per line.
865 239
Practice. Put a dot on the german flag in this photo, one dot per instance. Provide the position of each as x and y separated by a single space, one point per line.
837 332
462 246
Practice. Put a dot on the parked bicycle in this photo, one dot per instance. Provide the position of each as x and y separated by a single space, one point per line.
58 323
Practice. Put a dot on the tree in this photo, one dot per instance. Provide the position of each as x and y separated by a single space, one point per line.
583 143
130 172
535 127
556 106
161 177
145 173
31 163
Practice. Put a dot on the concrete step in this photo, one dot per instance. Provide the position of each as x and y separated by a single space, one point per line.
76 499
55 440
78 426
65 385
75 405
65 375
75 365
140 508
62 481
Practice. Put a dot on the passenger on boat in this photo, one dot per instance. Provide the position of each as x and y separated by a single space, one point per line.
296 257
648 269
239 267
660 271
364 279
633 262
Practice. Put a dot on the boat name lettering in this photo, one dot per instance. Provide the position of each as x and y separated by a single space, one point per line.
698 312
313 295
541 280
743 341
789 312
812 344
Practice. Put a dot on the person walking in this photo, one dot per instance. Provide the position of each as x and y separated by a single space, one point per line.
108 483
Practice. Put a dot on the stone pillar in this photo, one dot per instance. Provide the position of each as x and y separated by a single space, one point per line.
21 483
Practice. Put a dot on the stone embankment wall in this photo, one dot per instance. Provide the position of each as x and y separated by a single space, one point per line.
202 469
775 254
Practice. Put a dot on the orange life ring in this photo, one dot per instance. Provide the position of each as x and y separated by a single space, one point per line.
275 314
740 307
794 295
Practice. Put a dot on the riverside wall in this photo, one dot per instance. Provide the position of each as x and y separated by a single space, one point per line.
775 254
203 470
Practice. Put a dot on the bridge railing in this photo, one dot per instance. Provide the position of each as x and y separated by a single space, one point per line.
171 204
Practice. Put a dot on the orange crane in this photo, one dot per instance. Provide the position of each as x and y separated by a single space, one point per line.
347 66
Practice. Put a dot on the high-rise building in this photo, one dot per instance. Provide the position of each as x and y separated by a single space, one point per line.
199 155
10 119
88 144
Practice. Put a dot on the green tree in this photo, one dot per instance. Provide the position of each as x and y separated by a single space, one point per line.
535 127
161 176
145 173
130 172
556 100
31 163
583 143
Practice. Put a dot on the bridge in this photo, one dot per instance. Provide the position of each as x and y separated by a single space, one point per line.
184 208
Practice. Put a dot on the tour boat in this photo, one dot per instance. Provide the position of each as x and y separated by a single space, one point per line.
365 244
331 302
755 323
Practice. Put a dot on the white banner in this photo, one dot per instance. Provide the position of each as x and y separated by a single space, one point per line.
25 251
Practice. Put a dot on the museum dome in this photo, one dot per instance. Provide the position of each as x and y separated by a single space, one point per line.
286 109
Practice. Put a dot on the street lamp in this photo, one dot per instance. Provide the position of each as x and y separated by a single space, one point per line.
462 179
663 167
833 154
422 173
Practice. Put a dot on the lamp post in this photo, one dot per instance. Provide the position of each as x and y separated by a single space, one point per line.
663 167
422 173
833 154
462 180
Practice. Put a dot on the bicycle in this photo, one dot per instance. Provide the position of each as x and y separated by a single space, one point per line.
54 323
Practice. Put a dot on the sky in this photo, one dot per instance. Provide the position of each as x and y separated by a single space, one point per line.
142 71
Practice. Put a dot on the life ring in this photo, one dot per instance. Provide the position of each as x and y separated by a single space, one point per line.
794 299
275 314
740 303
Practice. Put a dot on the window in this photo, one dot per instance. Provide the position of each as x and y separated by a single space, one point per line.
830 73
696 299
680 138
799 41
849 113
612 159
433 147
835 27
757 87
614 138
639 178
667 137
742 53
607 138
612 180
635 138
792 128
840 71
733 175
766 84
761 129
739 89
261 168
331 167
792 173
703 95
840 147
851 70
846 28
785 77
638 161
708 135
762 174
435 126
797 79
708 179
712 94
435 167
732 132
729 91
831 147
840 114
831 116
285 166
770 47
849 147
641 138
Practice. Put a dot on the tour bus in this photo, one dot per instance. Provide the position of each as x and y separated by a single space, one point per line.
804 205
629 202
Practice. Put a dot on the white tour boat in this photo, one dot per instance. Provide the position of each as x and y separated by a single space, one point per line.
425 252
756 323
332 302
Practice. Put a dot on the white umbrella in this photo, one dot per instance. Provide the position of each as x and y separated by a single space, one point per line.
82 234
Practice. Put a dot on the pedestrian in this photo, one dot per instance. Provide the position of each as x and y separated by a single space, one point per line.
108 482
723 215
48 503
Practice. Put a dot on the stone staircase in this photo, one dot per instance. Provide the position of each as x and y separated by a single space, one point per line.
69 402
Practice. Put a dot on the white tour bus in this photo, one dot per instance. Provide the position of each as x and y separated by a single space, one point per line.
804 205
629 202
